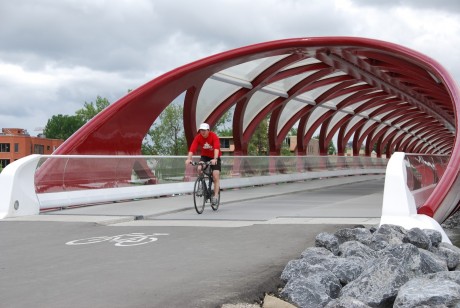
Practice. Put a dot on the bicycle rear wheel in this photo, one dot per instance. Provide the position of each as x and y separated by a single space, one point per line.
199 195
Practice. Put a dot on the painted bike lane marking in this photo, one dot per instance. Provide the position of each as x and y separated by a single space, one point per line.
121 240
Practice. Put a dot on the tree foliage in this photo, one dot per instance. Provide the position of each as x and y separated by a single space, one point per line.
167 135
62 126
331 149
286 146
258 145
90 109
223 126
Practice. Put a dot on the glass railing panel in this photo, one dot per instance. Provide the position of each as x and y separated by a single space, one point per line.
59 173
423 174
49 176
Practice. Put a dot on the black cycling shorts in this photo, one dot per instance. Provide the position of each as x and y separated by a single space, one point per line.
217 166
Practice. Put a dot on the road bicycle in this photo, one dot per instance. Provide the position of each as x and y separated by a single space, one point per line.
203 190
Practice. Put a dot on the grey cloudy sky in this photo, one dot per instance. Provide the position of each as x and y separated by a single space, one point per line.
57 54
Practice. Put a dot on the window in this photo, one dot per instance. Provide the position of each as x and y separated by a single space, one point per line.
16 148
287 141
48 147
224 143
4 147
39 149
4 162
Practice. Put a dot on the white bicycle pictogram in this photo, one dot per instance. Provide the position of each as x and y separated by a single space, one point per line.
130 239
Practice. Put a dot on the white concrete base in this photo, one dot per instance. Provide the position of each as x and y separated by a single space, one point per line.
398 202
17 188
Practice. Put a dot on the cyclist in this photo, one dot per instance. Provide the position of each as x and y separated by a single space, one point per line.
210 151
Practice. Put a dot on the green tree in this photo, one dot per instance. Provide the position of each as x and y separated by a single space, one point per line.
62 126
167 134
258 145
223 126
227 132
331 150
286 147
89 110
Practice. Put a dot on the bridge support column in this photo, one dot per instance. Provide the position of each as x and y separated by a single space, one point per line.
18 197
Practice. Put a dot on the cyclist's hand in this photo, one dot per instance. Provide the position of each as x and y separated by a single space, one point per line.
187 162
213 161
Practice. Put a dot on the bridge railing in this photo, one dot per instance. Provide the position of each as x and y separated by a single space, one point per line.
423 174
39 182
409 181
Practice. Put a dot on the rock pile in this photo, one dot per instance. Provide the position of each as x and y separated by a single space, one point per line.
387 266
452 223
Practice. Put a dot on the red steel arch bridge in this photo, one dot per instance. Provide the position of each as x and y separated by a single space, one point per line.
380 95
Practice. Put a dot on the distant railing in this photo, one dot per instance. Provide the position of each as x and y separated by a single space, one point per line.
73 172
39 182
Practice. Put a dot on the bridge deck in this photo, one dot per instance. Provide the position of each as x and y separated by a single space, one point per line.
170 207
193 263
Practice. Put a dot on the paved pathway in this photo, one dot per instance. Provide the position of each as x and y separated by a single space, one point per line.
188 260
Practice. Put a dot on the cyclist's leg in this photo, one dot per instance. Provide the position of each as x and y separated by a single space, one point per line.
199 167
216 177
216 180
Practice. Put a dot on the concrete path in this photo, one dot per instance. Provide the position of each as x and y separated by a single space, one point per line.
160 253
114 213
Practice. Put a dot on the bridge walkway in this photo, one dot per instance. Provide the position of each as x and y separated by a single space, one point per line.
158 211
87 257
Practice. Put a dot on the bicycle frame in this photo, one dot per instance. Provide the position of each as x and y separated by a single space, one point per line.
207 172
204 188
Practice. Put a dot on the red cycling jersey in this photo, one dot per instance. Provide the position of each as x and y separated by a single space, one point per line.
207 145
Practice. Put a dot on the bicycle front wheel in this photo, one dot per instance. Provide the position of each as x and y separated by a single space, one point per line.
199 195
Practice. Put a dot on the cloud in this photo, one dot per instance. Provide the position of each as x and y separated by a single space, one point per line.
56 55
445 5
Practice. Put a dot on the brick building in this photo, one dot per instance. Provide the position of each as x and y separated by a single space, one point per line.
16 143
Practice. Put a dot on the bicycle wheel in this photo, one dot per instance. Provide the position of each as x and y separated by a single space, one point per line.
215 206
199 195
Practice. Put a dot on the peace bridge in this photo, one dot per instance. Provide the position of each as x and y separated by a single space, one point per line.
377 94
